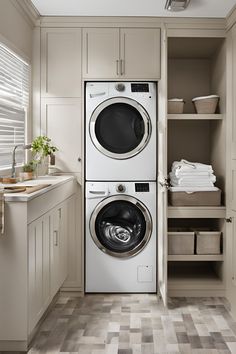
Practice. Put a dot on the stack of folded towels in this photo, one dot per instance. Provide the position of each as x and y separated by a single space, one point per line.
192 176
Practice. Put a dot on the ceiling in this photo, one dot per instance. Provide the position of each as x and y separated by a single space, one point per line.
196 8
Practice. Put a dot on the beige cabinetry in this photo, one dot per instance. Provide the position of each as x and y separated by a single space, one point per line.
61 62
125 53
61 85
61 121
48 241
101 53
34 250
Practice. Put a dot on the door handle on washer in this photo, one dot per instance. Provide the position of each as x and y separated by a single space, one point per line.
98 192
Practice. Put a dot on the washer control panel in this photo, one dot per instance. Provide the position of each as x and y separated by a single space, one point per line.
120 188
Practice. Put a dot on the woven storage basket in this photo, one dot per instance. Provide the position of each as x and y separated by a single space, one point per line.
208 242
206 104
181 242
175 106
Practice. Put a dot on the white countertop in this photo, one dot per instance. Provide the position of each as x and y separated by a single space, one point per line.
54 182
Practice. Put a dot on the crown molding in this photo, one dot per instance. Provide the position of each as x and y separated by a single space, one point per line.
231 18
27 10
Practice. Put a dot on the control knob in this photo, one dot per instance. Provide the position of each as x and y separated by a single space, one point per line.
120 87
120 188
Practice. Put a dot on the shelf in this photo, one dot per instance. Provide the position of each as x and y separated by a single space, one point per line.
193 276
195 116
196 257
196 212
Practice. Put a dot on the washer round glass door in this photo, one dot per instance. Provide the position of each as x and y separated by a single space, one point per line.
120 127
121 226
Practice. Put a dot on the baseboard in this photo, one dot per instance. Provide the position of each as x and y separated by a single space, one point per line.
13 346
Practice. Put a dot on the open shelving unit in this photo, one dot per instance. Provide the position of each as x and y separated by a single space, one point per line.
196 67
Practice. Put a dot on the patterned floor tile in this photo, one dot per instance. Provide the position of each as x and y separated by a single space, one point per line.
136 324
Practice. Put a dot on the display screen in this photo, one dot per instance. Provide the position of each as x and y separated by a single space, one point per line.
139 87
141 187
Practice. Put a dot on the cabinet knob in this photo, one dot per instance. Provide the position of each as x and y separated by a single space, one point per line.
79 159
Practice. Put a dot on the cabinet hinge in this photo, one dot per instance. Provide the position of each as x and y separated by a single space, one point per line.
229 219
165 183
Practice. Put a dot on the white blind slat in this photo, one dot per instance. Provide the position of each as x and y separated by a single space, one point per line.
14 98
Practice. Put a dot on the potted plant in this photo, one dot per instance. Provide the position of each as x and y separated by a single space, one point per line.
42 148
28 171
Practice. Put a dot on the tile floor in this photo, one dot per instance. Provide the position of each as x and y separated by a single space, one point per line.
134 324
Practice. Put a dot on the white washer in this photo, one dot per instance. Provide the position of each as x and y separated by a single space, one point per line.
120 237
120 131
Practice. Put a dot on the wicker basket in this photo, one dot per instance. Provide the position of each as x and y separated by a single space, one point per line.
175 106
206 104
208 242
181 242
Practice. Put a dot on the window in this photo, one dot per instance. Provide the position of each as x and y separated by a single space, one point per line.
14 102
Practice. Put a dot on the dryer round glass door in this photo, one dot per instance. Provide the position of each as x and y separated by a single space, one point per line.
120 128
121 226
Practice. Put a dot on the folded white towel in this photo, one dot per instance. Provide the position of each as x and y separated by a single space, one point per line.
193 189
185 166
193 173
190 184
193 179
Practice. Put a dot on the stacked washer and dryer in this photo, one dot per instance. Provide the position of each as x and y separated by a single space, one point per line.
120 192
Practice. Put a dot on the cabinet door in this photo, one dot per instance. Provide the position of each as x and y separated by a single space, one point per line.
231 169
58 254
140 53
74 279
101 53
63 235
38 269
162 174
54 252
61 121
61 62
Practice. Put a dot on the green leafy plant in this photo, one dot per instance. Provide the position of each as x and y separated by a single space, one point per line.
29 167
42 147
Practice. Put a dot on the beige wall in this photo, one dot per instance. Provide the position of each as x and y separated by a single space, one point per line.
15 28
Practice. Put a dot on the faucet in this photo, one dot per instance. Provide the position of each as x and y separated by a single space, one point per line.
13 168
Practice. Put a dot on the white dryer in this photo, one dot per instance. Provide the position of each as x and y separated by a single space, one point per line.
120 131
120 237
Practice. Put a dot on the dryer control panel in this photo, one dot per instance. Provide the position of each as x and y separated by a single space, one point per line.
139 87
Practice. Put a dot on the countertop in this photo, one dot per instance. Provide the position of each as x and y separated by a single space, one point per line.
54 182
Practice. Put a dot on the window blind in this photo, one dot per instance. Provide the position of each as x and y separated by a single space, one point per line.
14 101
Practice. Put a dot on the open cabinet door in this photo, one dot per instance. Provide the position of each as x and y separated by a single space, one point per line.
231 170
162 174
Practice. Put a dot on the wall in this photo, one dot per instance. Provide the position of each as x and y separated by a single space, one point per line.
16 28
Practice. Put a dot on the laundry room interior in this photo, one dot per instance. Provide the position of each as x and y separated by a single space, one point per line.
117 177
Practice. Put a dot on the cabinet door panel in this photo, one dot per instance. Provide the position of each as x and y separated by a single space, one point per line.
75 247
61 121
61 62
140 53
100 53
54 252
38 269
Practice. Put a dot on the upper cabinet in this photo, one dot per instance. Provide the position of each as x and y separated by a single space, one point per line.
61 62
140 53
101 53
129 53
